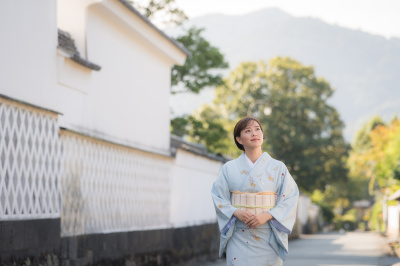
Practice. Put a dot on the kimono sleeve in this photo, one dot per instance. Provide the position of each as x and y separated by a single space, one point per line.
222 201
284 213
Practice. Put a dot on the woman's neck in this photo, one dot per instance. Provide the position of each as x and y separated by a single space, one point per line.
253 155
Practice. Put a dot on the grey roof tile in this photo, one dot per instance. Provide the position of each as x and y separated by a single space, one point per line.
178 143
66 43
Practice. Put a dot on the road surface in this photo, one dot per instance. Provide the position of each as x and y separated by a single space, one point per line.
332 249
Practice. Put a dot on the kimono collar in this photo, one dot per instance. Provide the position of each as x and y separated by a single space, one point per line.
244 165
251 164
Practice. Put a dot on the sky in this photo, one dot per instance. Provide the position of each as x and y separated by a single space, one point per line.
380 17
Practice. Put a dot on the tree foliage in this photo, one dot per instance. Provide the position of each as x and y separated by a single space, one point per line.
386 149
361 162
205 127
362 140
301 128
197 72
375 158
376 155
163 12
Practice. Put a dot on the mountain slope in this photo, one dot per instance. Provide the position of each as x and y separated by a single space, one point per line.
363 68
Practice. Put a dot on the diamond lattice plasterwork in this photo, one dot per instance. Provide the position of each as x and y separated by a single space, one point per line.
110 188
29 162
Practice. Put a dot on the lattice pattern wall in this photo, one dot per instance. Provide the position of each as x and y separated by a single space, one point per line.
108 188
30 156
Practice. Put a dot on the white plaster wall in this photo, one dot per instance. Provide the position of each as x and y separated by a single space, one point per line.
191 181
72 17
129 98
73 87
303 209
127 101
28 31
393 221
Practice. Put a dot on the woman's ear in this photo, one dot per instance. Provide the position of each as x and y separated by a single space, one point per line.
239 140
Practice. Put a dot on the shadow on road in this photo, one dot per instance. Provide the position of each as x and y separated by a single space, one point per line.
331 249
334 249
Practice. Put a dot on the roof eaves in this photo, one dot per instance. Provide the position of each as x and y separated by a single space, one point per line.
86 63
145 19
395 196
178 143
28 104
66 43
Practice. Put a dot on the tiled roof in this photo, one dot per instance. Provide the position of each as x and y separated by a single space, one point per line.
178 143
66 43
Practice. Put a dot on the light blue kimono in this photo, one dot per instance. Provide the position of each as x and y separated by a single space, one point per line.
268 243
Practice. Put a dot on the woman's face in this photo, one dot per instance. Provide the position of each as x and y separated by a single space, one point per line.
251 136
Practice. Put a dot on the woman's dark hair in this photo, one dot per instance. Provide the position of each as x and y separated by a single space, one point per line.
242 124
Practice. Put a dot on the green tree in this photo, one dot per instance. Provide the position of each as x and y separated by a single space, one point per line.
301 128
206 127
375 154
385 154
375 157
198 70
196 74
361 161
180 125
161 11
362 139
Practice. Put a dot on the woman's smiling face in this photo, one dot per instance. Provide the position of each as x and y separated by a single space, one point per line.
251 136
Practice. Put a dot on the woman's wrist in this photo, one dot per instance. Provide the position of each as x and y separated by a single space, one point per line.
268 216
237 214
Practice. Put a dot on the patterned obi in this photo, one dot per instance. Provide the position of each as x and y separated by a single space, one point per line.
255 203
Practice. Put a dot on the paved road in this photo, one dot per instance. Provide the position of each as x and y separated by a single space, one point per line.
332 249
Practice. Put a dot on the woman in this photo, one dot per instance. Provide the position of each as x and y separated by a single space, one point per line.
256 200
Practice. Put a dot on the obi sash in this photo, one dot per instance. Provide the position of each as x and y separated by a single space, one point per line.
256 203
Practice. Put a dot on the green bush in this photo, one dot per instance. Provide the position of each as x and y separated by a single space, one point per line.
376 217
346 221
327 213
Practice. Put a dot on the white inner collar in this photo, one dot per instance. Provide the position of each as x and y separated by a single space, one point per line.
251 164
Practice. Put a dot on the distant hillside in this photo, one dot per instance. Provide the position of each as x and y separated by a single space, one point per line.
363 68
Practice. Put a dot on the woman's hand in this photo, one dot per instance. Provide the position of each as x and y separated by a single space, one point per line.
243 215
257 220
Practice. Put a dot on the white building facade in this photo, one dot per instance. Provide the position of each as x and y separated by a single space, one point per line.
85 143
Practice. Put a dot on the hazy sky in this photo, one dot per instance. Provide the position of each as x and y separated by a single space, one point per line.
374 16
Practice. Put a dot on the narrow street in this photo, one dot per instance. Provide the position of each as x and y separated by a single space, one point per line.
331 249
